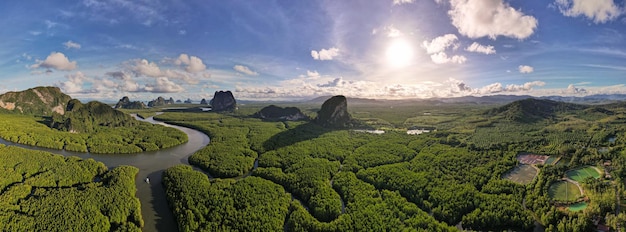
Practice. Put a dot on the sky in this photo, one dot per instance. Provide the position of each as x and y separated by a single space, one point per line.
293 50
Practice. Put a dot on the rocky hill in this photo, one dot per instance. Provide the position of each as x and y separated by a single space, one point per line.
35 101
204 102
125 103
275 113
531 110
223 101
334 113
160 101
81 117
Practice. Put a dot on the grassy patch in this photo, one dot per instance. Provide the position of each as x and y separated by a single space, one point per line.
564 191
581 174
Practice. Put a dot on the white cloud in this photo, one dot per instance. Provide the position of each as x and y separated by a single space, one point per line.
50 24
127 83
600 11
144 67
325 54
194 64
55 60
524 87
74 83
571 89
525 69
492 18
441 43
437 47
163 85
312 74
476 47
400 2
245 70
69 44
182 32
306 89
442 58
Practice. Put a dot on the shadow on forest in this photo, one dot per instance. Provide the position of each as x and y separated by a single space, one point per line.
297 134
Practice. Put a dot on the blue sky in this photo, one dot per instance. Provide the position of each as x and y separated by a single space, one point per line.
281 50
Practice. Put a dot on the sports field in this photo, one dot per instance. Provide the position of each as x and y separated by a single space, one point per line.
578 206
583 173
552 160
522 174
564 191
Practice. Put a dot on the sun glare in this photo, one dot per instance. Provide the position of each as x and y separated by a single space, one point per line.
399 53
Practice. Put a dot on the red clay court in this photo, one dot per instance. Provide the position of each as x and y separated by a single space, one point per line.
529 158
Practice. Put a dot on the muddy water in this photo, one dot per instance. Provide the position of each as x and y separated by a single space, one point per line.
154 208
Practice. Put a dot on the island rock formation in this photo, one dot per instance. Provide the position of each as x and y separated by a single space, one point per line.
160 101
203 102
223 101
334 113
36 101
125 103
275 113
81 117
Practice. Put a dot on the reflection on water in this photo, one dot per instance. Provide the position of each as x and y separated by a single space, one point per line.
154 208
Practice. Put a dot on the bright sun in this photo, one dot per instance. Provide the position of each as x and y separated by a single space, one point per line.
399 53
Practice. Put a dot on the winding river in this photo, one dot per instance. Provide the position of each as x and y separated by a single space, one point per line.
154 209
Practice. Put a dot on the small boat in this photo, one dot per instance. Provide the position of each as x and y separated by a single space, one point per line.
147 180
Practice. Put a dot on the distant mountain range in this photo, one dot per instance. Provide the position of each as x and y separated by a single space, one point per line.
493 99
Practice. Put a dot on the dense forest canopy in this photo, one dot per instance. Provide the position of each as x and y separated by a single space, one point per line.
40 191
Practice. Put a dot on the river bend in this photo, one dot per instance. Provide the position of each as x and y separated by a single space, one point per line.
154 209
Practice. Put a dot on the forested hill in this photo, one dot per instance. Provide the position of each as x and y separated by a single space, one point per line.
531 110
36 101
88 117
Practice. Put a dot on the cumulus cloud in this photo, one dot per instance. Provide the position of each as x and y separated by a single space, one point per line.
442 58
245 70
127 83
69 44
55 60
600 11
476 47
437 47
74 83
312 74
163 85
325 54
304 88
525 69
400 2
459 87
144 67
491 18
571 89
441 43
193 63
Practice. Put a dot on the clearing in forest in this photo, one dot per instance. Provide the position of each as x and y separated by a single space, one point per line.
529 158
564 191
583 173
522 174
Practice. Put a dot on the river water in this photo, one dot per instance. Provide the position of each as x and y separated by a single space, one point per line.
154 209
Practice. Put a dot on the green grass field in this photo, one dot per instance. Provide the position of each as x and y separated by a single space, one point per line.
578 206
564 191
522 174
552 160
583 173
